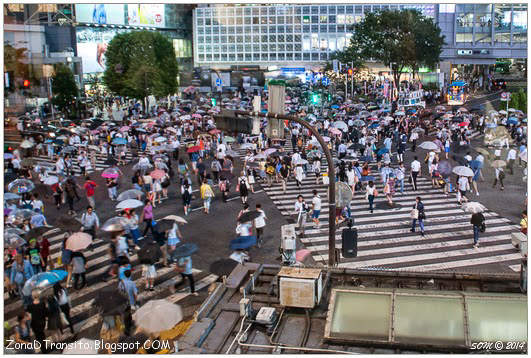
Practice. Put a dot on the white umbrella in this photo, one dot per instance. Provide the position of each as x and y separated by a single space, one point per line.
502 112
462 109
247 146
78 241
175 218
160 139
51 180
399 113
463 171
511 110
26 144
473 207
429 146
129 204
157 316
340 125
130 194
83 346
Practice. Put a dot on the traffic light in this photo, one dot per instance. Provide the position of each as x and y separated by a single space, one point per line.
315 98
214 101
350 71
26 84
329 97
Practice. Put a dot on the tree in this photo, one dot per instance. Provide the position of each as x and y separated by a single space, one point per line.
139 64
64 87
519 101
399 39
16 65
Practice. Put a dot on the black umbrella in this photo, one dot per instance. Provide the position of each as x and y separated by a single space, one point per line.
223 267
184 250
37 231
110 161
149 253
110 301
248 216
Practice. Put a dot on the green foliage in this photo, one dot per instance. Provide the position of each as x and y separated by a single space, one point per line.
519 100
399 39
14 64
64 87
139 64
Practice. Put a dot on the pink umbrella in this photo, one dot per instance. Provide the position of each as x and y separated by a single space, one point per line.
269 151
334 131
111 173
78 241
214 131
124 129
95 131
157 174
301 255
196 115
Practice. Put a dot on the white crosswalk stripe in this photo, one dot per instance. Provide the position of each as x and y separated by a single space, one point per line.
100 163
98 263
384 237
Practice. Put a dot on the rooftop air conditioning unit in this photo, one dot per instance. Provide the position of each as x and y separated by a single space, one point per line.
300 287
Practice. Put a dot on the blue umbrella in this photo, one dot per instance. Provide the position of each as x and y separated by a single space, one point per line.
374 125
48 141
367 178
43 280
411 111
242 242
8 156
512 120
382 151
119 141
334 106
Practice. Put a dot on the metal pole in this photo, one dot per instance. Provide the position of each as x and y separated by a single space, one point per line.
352 81
331 175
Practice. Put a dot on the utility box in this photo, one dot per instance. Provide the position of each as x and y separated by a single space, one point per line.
276 105
300 287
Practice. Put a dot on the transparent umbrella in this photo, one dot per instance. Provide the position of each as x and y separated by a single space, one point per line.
130 194
21 186
116 223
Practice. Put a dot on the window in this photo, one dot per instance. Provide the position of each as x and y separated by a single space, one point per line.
315 41
332 19
272 29
256 38
297 38
272 57
264 38
306 43
272 20
247 20
200 22
281 29
315 19
256 57
340 19
306 56
305 19
289 56
298 47
224 48
239 48
463 37
297 56
502 23
264 47
349 19
281 47
224 57
264 56
332 42
247 47
280 19
315 56
223 39
256 20
289 19
289 47
239 57
272 38
359 10
280 38
256 48
323 28
340 42
239 39
315 9
247 38
323 43
289 38
324 19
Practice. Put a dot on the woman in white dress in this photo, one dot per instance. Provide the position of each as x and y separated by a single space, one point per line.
351 178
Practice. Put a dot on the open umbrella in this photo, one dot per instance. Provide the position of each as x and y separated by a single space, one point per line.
157 174
498 164
11 196
129 204
26 144
142 166
242 242
83 346
184 250
462 109
512 120
78 241
157 316
502 112
110 301
14 231
43 280
247 146
21 186
37 231
429 146
248 216
111 173
23 214
473 207
340 125
483 151
382 151
13 241
359 123
130 194
418 130
463 171
119 141
51 180
150 253
175 218
116 223
8 156
193 149
229 139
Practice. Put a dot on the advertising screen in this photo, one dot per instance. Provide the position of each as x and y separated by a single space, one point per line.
101 14
146 15
91 46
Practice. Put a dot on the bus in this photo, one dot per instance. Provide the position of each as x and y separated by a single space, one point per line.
456 95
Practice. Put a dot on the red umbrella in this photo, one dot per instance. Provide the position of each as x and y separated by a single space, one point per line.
157 174
193 149
463 124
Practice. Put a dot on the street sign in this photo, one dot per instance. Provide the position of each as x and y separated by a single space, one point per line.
505 96
326 81
219 82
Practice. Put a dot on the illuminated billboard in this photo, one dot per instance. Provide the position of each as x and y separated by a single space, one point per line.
101 14
146 15
92 44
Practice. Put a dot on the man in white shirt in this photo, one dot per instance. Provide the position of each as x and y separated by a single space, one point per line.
415 170
464 187
316 206
260 223
511 157
342 150
413 140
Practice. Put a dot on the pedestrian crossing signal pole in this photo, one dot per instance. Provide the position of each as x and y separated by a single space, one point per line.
332 256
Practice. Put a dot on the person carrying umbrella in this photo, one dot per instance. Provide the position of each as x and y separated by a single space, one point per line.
184 268
478 224
301 209
21 271
89 187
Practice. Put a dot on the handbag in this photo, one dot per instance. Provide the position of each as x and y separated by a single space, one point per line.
482 227
409 179
415 213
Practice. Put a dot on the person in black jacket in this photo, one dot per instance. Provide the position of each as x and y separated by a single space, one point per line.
420 216
477 221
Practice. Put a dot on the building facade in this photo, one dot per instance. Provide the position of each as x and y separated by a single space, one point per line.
302 37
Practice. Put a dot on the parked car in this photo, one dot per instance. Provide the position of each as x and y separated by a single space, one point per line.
499 84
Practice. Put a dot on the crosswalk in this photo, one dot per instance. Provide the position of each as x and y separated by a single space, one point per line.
98 261
101 164
384 237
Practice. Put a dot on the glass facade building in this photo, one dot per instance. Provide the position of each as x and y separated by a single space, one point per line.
264 35
278 33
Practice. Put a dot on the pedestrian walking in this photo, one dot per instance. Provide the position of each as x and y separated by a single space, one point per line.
299 175
463 186
112 188
259 224
415 170
418 214
90 187
186 195
44 246
370 194
184 267
127 286
39 313
243 187
478 225
206 194
21 271
499 176
63 299
147 217
71 194
79 263
55 326
316 209
400 174
174 237
301 210
284 174
90 222
511 158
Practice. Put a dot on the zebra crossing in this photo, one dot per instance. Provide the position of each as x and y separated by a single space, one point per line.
84 317
101 159
384 237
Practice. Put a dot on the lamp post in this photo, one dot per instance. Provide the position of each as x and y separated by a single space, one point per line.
331 174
